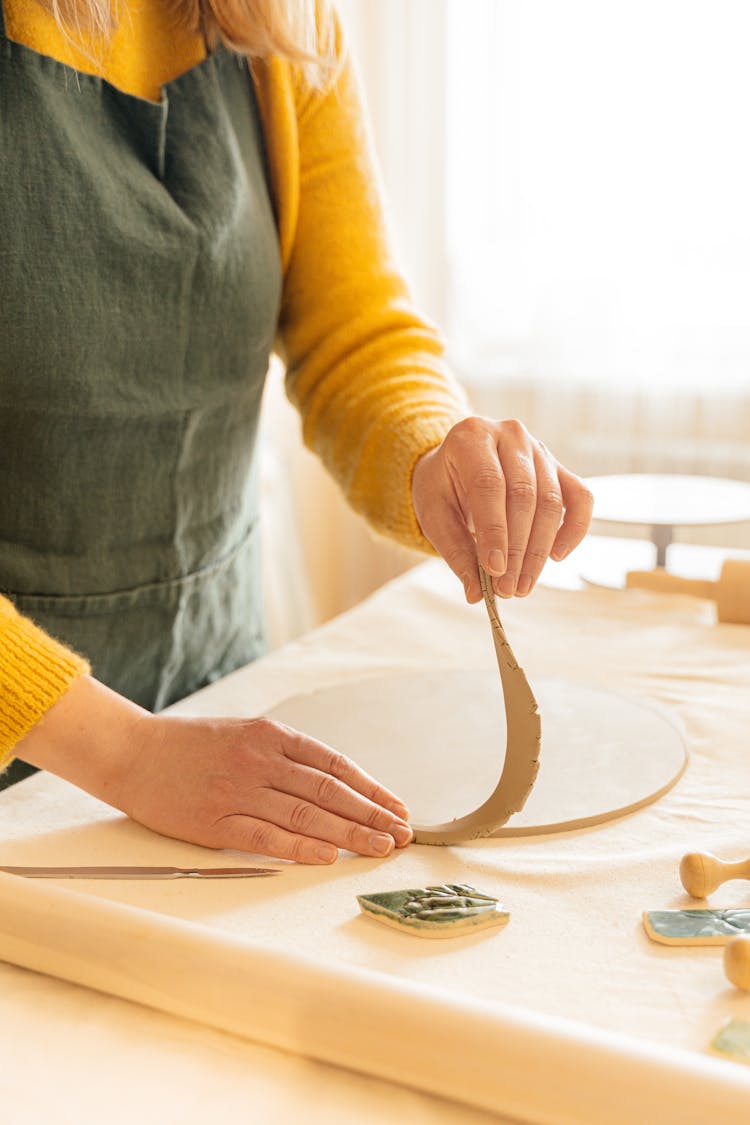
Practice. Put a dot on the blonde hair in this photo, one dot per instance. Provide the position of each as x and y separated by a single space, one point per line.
298 30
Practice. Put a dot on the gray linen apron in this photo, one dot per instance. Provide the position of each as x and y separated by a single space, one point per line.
139 292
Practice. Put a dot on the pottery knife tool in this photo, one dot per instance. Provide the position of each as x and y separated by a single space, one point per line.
141 872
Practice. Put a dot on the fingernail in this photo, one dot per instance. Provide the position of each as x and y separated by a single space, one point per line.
507 586
327 853
398 809
524 585
497 562
402 834
560 552
380 844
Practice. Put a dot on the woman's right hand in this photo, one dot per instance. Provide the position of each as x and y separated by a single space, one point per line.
248 784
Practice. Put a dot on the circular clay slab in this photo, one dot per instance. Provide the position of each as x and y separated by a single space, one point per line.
437 739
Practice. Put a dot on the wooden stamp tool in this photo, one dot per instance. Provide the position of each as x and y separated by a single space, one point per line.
702 873
737 962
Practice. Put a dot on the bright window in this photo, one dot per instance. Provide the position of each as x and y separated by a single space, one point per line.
598 190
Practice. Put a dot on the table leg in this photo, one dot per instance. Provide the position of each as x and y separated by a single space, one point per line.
661 537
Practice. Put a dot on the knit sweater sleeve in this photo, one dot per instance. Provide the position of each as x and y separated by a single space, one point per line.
35 670
364 368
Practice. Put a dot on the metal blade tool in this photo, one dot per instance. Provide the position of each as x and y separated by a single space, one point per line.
140 872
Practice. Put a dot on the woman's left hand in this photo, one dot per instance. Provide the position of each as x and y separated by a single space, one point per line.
493 492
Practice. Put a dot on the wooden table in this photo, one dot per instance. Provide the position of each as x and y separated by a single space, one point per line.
573 956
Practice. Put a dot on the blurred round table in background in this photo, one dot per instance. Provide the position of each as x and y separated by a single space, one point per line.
658 503
665 501
606 560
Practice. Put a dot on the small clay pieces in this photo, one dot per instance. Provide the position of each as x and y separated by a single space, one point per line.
737 962
696 927
522 745
702 873
732 1040
448 910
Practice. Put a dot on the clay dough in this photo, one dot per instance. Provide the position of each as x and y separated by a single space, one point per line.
732 1040
434 737
695 927
448 910
523 740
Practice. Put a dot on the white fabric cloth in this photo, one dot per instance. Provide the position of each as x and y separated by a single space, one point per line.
574 947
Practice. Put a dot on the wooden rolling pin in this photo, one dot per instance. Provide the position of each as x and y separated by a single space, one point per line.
731 592
701 873
469 1050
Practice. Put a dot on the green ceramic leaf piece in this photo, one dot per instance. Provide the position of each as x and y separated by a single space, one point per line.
446 910
696 927
733 1040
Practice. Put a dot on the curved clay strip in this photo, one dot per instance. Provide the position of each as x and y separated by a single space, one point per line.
523 742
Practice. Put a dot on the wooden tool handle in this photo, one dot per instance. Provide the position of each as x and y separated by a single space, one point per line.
702 873
661 581
731 593
737 962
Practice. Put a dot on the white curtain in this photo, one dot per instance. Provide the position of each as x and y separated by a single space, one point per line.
569 181
319 557
598 177
399 47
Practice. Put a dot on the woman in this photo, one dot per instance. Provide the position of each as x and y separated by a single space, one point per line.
170 214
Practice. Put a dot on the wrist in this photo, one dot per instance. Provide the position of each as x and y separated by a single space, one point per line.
86 737
421 483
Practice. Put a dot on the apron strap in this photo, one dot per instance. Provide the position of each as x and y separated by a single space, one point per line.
2 20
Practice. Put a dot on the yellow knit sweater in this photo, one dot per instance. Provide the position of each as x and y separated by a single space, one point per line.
363 367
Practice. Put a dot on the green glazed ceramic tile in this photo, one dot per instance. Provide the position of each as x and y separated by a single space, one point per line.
696 927
441 911
733 1040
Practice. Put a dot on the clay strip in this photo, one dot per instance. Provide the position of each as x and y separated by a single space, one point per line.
523 744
